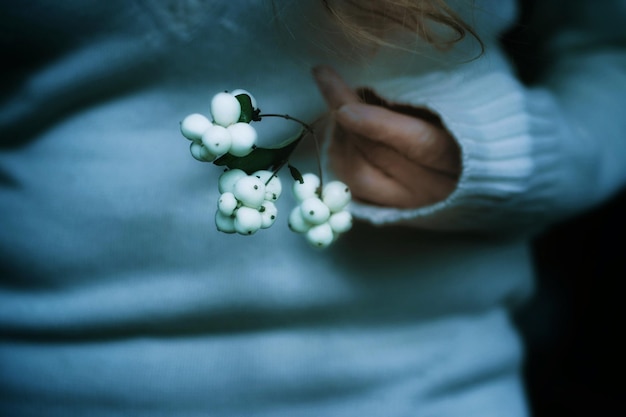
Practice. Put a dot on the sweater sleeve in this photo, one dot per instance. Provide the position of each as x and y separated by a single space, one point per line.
533 153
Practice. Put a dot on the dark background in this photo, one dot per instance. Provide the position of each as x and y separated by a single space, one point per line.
573 327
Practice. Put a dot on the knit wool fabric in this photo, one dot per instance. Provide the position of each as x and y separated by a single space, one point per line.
119 297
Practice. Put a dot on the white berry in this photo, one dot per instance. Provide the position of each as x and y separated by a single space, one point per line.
224 223
314 210
320 235
336 195
273 189
273 186
225 109
307 188
250 191
247 221
228 179
264 175
227 204
297 222
201 153
217 140
268 214
239 91
193 126
244 137
341 221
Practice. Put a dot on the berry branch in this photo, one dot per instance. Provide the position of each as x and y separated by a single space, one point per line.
250 186
309 129
286 117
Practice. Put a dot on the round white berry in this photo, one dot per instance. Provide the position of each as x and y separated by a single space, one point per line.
273 189
250 191
320 235
200 152
228 179
217 140
296 221
336 195
307 188
273 185
225 109
243 137
268 214
314 210
227 204
239 91
341 221
264 175
247 220
193 126
224 223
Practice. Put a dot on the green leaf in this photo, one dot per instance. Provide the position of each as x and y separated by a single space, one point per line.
261 158
295 174
247 112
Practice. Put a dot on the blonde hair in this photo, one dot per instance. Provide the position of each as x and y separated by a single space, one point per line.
367 21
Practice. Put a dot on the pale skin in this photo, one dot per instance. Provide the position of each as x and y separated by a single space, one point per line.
387 158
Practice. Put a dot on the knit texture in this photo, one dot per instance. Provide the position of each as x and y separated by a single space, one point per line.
118 296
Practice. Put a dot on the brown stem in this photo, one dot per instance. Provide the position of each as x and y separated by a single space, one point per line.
309 129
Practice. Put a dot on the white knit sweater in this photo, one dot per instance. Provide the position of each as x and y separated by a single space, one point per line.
118 297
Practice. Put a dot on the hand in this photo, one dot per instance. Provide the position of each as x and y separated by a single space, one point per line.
388 158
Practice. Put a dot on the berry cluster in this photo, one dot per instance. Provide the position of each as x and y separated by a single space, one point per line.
250 186
322 218
246 203
229 132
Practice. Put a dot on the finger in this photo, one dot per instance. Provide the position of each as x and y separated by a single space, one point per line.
423 185
367 183
413 137
333 88
365 168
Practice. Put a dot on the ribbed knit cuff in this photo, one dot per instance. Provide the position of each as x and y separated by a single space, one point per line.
509 139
